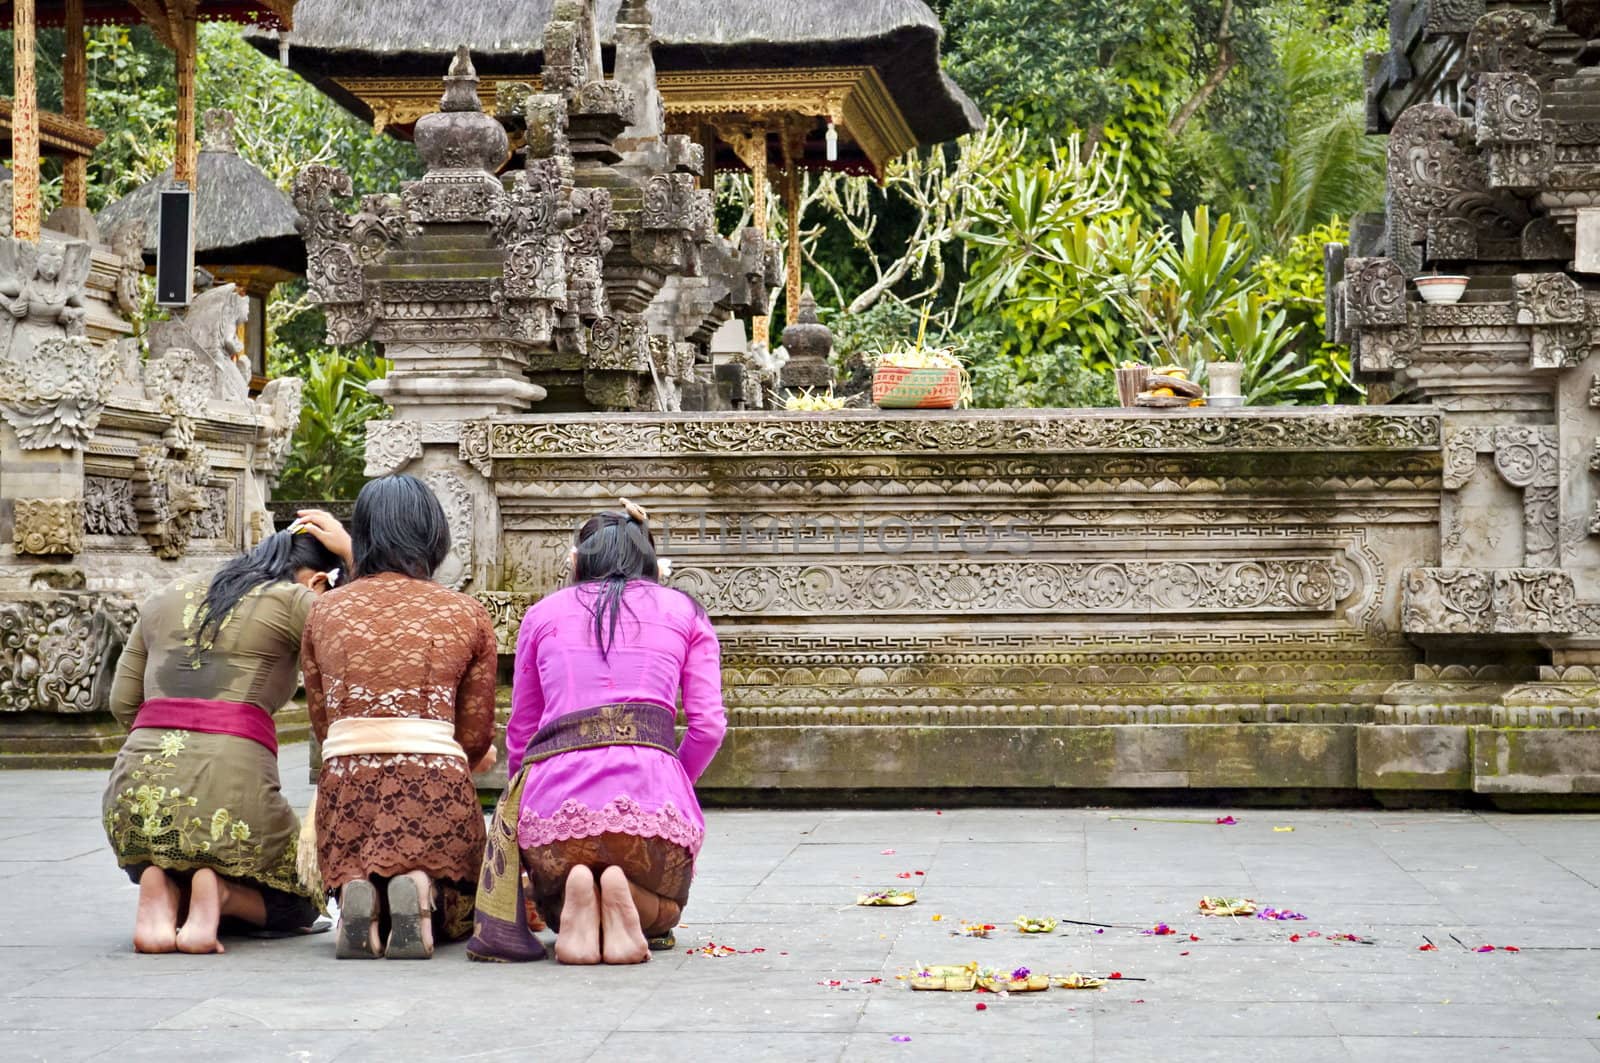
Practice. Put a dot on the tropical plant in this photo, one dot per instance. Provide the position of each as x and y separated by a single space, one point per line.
326 457
1249 332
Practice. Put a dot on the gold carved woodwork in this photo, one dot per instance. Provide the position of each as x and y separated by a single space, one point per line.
852 97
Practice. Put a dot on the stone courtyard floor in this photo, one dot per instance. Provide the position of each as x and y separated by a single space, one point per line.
804 985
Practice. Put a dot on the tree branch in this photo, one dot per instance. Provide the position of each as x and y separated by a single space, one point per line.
1226 61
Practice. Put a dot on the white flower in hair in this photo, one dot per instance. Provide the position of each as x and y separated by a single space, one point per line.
664 567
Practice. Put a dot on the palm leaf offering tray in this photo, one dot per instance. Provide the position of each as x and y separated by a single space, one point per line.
1020 980
1227 906
1077 981
946 979
1033 925
887 898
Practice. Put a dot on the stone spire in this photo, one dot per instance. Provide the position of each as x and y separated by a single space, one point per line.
459 136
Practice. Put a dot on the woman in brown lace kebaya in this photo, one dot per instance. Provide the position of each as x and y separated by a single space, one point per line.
400 685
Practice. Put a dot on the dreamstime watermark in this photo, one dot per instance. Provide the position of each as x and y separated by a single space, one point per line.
702 531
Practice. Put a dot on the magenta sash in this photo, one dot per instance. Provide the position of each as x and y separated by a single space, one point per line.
210 717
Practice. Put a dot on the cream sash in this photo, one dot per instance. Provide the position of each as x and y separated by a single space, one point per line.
358 735
402 734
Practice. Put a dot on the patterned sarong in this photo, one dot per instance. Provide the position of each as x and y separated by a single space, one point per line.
500 932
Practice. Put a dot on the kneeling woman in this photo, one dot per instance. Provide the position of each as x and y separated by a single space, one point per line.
400 684
193 809
609 825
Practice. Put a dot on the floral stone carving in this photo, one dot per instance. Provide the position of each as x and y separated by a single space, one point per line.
57 652
48 526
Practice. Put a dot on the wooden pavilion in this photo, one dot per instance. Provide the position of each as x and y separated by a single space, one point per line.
769 87
29 131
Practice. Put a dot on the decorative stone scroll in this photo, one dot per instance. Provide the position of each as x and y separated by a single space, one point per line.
1095 587
1470 601
169 496
1554 305
1313 430
48 526
57 651
391 446
1527 458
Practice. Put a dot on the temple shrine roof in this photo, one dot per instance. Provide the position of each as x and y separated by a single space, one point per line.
709 54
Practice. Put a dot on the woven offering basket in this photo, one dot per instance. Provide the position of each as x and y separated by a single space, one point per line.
896 387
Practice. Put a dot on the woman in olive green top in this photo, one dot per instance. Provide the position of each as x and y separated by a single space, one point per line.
193 809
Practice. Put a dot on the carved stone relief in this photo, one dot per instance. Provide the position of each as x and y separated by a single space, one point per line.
46 526
57 652
456 500
108 506
391 446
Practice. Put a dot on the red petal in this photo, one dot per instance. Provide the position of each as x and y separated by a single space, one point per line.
1294 937
983 1007
1509 948
1183 954
1194 937
1116 974
1430 947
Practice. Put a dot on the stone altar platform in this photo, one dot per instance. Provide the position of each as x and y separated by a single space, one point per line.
1061 600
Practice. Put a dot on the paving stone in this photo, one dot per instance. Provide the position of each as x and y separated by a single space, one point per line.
71 987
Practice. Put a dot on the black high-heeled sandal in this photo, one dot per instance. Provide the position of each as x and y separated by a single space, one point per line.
358 915
407 911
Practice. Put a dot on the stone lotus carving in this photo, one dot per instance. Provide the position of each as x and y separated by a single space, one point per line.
58 651
48 526
459 136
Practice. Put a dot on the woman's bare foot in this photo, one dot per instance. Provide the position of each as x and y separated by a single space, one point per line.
620 933
207 895
578 940
155 928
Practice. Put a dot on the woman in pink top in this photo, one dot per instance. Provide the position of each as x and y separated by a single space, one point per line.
609 826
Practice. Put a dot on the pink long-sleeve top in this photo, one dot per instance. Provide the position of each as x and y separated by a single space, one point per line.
664 645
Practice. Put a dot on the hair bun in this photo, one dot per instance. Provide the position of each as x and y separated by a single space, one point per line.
636 512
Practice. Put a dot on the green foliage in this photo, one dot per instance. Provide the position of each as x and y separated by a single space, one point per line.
325 461
1296 283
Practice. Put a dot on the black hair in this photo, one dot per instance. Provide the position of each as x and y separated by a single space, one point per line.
613 548
276 560
398 526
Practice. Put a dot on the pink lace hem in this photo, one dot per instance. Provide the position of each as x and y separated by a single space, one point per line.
620 815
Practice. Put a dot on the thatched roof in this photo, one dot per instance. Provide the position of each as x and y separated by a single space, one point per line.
266 13
241 217
398 38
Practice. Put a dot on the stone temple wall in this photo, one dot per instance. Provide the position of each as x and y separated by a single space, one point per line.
1039 599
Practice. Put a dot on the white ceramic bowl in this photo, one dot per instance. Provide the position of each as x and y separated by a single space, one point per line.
1441 289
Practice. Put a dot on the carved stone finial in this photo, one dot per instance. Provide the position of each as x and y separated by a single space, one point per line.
634 13
461 84
217 132
459 136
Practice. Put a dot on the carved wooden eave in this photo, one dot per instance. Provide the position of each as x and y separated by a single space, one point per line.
58 134
855 98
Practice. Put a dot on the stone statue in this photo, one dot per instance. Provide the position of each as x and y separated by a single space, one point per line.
211 328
